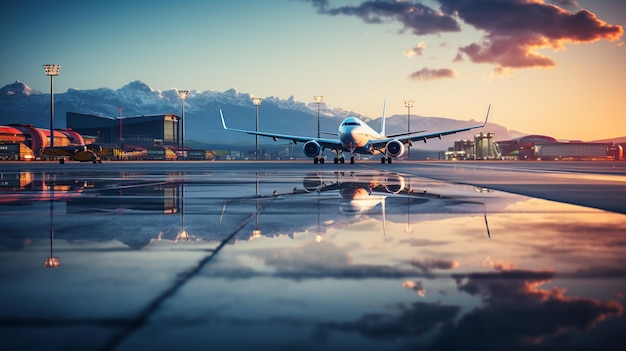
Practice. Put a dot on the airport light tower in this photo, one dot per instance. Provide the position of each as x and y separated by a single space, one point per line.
51 70
257 102
121 109
408 104
318 101
183 96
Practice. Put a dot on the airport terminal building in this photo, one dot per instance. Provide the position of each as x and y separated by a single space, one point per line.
131 132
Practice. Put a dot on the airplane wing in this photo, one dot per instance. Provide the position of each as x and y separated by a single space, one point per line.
324 142
409 137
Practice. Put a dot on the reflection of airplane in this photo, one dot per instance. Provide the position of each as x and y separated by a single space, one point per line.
356 137
362 194
356 195
80 153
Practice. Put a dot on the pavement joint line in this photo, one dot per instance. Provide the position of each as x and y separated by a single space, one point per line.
136 323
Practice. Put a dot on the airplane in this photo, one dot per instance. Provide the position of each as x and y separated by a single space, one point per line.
356 137
81 153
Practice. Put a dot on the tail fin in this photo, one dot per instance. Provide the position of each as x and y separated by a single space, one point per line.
382 128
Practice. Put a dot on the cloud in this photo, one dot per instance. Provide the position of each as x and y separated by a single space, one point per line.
430 74
414 17
565 3
415 51
516 29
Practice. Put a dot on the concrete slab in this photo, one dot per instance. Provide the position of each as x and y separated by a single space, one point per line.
291 255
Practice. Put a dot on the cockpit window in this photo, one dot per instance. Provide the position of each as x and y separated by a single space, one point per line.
351 124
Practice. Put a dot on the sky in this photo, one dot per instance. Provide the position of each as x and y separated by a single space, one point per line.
555 68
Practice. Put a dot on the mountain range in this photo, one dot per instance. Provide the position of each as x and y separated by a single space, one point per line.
21 104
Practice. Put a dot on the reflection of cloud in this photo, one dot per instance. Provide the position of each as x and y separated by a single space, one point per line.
417 286
428 265
499 265
415 319
323 260
518 313
601 272
600 236
421 242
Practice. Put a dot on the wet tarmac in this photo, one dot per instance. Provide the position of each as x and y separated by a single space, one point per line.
296 256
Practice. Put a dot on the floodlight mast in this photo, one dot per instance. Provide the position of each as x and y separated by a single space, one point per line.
257 102
318 101
408 104
121 109
51 70
183 96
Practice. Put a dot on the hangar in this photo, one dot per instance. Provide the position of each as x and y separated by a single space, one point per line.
25 141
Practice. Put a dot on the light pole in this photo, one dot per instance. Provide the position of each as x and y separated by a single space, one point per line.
257 103
121 109
51 70
318 101
408 104
183 95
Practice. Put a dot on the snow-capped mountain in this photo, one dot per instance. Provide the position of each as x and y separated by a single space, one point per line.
20 104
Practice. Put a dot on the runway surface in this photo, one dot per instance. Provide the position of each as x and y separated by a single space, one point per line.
292 255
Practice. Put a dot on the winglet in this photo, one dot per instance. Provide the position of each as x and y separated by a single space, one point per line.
223 123
487 117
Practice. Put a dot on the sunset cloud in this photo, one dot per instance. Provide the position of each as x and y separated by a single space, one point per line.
414 16
514 29
431 74
418 50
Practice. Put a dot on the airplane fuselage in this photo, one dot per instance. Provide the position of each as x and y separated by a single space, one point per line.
355 136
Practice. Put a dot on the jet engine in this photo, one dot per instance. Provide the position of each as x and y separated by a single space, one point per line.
312 148
395 148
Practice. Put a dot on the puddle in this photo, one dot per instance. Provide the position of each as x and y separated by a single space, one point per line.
333 260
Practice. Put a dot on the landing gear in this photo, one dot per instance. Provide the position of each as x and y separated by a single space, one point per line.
318 160
351 160
385 159
339 160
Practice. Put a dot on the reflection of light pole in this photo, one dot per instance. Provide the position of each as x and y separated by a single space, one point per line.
52 70
257 233
121 109
408 104
318 101
257 102
183 95
51 262
183 233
